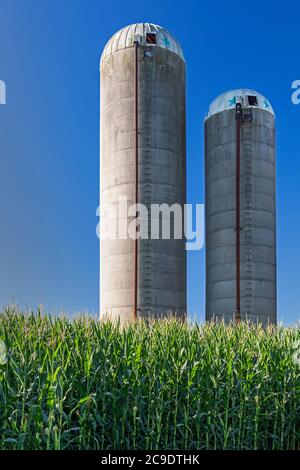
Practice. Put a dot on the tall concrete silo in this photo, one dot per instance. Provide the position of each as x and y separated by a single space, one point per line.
240 208
142 158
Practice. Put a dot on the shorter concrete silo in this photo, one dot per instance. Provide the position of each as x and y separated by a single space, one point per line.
240 208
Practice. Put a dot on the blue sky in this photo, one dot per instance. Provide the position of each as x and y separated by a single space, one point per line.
49 144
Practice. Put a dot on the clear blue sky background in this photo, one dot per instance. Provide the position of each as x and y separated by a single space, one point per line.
49 163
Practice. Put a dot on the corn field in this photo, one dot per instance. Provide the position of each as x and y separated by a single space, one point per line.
82 384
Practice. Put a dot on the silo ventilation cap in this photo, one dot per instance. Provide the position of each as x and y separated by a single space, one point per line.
147 34
247 97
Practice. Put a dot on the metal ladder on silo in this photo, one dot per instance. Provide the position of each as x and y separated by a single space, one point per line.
147 301
248 218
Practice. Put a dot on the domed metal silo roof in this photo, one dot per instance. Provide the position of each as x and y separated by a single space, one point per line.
126 37
250 99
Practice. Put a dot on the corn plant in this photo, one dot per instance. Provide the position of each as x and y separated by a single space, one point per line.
85 384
